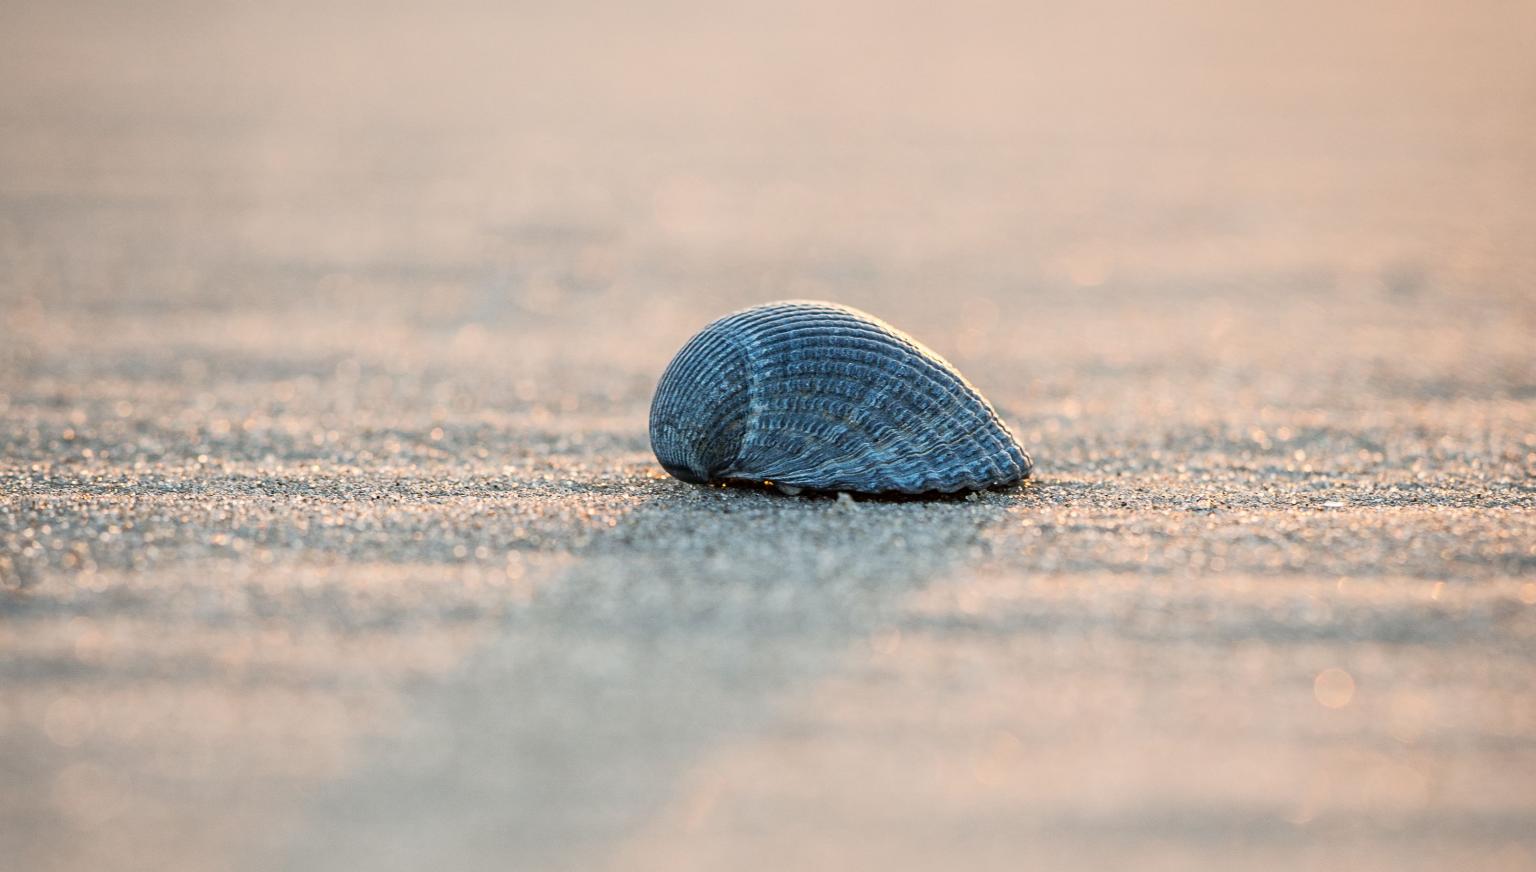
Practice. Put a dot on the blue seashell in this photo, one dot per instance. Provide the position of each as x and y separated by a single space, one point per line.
818 396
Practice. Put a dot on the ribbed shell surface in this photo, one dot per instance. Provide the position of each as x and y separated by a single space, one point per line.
825 397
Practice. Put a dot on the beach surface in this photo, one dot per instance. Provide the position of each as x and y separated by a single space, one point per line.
331 539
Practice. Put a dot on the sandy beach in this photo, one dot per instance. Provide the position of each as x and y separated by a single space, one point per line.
331 538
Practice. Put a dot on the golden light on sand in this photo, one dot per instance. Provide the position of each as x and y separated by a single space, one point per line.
998 758
886 642
87 794
332 535
68 721
1333 688
1086 269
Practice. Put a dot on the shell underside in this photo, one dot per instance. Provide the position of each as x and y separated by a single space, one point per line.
823 397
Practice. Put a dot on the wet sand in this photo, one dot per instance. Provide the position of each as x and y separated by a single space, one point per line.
330 537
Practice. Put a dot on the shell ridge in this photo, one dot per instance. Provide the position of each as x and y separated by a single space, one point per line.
949 391
681 440
793 467
767 459
823 396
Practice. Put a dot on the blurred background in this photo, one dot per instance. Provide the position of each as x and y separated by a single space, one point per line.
485 168
295 298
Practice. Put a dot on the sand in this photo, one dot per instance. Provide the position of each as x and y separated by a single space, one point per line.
330 537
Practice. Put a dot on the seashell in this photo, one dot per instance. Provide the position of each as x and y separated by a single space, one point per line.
816 396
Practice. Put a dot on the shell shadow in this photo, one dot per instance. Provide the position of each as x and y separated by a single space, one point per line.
1017 489
692 623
